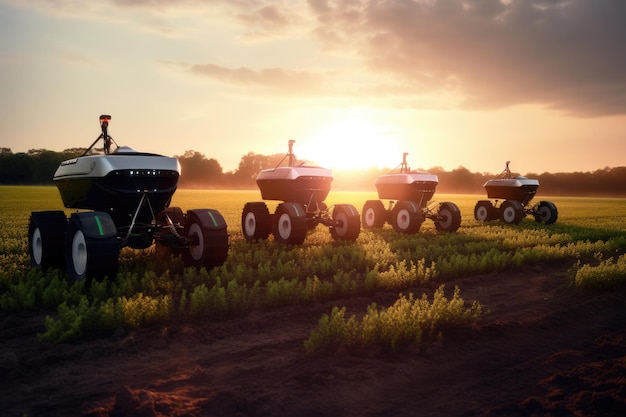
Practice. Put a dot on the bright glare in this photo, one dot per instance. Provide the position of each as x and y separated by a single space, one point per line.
351 144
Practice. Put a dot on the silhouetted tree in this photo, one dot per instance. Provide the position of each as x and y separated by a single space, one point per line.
249 166
38 167
16 169
252 163
198 171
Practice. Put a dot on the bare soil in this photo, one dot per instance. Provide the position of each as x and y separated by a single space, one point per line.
545 349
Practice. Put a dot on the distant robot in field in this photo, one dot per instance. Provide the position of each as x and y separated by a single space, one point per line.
515 194
302 189
129 193
410 193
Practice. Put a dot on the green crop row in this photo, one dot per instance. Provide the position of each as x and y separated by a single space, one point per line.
152 288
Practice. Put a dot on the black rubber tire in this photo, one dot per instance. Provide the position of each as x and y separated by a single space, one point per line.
90 254
511 212
484 211
347 223
450 218
289 224
256 221
208 245
546 212
46 233
406 217
374 214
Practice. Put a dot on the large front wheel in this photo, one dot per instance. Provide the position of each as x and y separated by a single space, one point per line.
256 221
449 218
406 217
91 246
347 224
374 214
546 213
46 231
289 223
207 239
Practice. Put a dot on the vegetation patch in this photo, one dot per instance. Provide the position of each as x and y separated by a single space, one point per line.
406 322
153 288
607 274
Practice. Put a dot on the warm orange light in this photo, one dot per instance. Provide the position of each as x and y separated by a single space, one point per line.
352 143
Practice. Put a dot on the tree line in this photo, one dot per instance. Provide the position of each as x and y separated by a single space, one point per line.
37 167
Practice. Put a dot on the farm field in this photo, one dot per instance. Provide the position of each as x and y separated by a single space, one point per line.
159 339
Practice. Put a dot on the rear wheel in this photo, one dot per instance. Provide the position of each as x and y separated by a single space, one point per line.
484 211
289 223
405 217
373 214
207 237
511 212
449 217
256 221
46 232
91 246
546 212
347 224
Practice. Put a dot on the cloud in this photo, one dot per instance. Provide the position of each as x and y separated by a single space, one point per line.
567 55
266 20
261 19
75 57
276 80
266 16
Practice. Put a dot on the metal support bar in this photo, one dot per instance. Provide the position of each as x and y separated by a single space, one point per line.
144 199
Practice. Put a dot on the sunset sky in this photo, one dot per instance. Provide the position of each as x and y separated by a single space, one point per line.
470 83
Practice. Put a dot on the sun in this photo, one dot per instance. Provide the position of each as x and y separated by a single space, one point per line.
351 143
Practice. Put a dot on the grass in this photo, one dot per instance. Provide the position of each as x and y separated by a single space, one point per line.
406 322
590 235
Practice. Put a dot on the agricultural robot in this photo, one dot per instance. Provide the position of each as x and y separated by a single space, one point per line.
515 194
127 194
410 193
302 190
